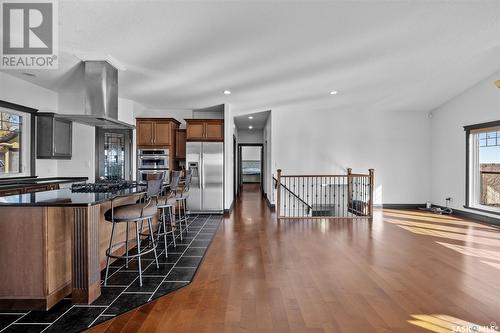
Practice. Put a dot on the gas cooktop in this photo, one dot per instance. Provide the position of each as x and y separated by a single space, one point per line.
104 186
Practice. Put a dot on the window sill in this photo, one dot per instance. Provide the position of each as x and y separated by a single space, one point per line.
493 211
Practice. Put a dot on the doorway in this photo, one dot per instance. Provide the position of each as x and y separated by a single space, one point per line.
251 165
235 168
113 154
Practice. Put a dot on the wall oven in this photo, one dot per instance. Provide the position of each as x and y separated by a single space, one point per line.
152 161
144 175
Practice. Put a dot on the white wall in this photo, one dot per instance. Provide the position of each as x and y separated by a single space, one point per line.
268 159
250 136
395 144
24 93
479 104
82 163
228 156
126 110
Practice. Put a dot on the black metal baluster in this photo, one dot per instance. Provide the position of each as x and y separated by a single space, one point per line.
286 197
343 196
330 194
289 196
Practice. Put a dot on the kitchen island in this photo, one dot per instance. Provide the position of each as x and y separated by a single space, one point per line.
53 244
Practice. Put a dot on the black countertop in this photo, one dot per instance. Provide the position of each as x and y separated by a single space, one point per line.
7 183
64 197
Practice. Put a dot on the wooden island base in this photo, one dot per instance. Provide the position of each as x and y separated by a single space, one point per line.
47 253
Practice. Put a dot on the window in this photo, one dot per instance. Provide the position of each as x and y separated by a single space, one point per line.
114 156
15 154
483 167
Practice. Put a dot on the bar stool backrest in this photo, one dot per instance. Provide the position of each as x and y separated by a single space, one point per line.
155 184
174 182
187 180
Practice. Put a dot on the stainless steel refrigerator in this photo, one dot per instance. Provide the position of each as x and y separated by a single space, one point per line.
206 160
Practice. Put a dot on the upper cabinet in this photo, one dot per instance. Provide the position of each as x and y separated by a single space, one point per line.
54 137
163 132
180 144
195 130
204 129
156 131
144 132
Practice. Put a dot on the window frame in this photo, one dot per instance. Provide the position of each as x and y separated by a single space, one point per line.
468 129
32 141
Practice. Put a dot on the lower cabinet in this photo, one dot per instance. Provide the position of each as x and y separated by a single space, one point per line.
28 189
37 251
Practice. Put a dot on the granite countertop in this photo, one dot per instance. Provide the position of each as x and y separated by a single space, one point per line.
33 181
64 197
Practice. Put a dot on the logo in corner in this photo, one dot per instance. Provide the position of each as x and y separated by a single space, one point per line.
29 34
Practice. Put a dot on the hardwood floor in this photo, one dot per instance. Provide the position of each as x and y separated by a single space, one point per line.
407 271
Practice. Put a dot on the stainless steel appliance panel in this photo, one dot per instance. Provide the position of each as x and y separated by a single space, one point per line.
213 176
152 151
152 162
143 175
193 162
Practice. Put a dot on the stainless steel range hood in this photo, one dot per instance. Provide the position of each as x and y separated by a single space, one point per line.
99 96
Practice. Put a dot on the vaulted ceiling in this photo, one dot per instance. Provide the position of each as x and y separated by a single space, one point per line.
406 55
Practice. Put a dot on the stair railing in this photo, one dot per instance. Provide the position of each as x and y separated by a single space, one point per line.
324 196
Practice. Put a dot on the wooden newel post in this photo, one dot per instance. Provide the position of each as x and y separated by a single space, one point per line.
278 195
372 190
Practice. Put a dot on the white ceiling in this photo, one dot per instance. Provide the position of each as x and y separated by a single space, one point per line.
257 122
408 55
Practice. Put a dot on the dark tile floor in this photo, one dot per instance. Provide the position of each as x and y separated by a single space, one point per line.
123 292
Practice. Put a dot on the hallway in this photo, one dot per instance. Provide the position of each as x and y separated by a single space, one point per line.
405 271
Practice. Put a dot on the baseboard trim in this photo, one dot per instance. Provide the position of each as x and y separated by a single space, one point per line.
456 212
475 216
400 206
271 206
228 212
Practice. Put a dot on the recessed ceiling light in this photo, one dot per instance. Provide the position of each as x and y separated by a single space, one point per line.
250 117
334 92
250 127
227 92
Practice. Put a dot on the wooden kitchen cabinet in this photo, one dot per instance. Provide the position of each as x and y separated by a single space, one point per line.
214 131
162 133
195 130
180 144
156 132
204 129
34 189
28 189
144 132
54 136
11 191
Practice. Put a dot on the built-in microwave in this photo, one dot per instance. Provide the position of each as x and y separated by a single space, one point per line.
152 159
152 162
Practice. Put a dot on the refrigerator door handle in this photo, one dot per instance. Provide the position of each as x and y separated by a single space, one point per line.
202 179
